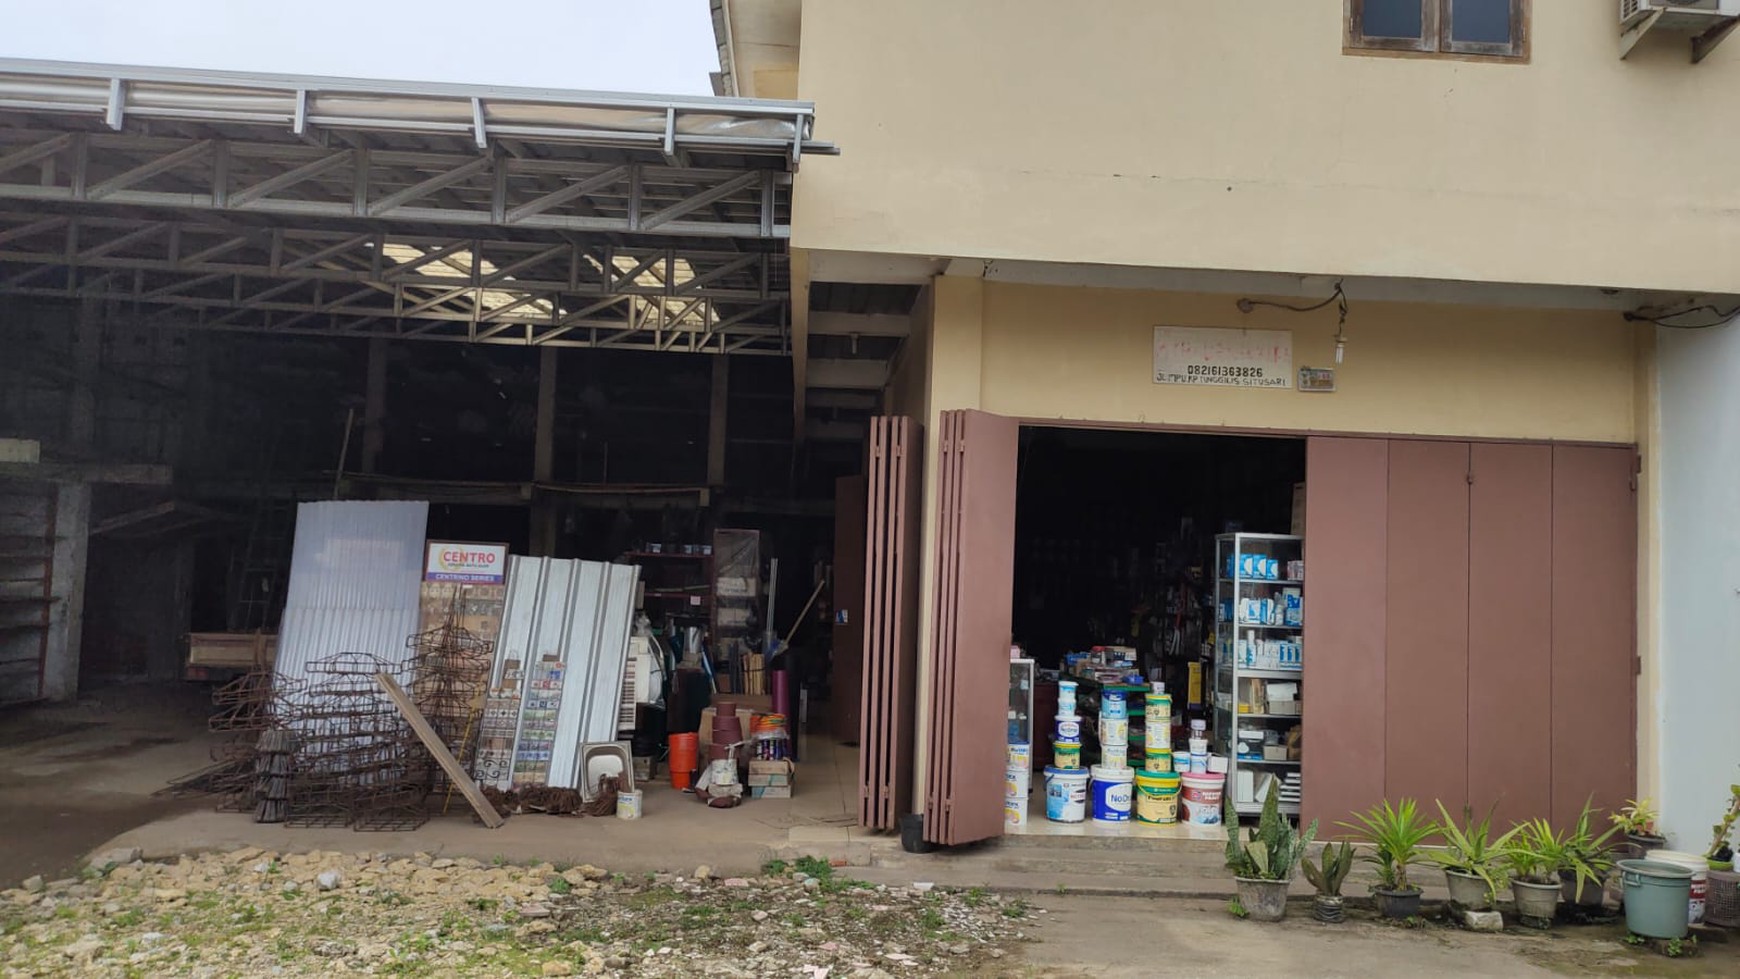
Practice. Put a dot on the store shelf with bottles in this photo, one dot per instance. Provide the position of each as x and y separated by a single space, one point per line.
1259 665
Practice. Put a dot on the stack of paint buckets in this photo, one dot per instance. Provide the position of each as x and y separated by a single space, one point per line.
1112 777
1066 782
1157 784
1017 780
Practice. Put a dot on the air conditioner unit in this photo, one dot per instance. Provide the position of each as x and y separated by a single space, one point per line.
1705 22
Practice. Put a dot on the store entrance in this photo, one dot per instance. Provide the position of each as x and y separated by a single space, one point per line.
1121 577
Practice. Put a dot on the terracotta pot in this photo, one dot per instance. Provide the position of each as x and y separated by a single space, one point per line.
1397 904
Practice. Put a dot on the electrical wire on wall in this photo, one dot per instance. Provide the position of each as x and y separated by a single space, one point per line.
1339 297
1670 320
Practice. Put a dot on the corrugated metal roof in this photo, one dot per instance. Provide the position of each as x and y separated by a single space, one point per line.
354 577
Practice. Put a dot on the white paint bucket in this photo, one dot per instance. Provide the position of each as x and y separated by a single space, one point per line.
1066 791
1700 868
628 804
1202 795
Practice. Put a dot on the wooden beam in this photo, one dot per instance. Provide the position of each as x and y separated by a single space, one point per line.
443 757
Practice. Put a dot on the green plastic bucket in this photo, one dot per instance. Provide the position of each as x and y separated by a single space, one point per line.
1655 898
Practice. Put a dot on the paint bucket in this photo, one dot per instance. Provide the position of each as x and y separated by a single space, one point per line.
1199 763
1699 897
1067 728
1020 755
1114 730
1113 705
1157 797
1066 697
1016 782
1157 758
684 759
628 804
1158 712
723 770
1066 794
1066 755
1111 793
1202 794
1115 755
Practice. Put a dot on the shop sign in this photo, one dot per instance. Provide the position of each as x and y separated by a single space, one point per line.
477 564
1223 358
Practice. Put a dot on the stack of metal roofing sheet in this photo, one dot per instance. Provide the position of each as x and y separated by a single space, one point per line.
355 571
564 649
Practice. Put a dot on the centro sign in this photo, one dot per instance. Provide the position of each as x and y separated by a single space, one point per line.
477 564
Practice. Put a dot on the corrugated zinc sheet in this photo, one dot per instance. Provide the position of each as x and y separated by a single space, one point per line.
567 623
354 577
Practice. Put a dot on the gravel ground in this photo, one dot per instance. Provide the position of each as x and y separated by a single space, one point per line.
256 913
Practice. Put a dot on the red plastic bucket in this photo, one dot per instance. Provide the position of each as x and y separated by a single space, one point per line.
685 749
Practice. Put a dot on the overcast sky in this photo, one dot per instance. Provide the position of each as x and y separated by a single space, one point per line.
655 46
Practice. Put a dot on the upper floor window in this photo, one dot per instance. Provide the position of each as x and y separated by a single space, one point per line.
1489 28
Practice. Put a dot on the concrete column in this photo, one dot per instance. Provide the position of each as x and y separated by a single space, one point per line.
716 421
375 406
72 520
543 528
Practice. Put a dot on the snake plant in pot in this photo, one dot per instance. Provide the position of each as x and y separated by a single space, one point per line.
1328 878
1397 834
1473 860
1263 864
1589 859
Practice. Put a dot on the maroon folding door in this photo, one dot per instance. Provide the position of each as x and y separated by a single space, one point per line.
1346 498
970 632
1510 547
889 576
1594 612
1426 624
847 675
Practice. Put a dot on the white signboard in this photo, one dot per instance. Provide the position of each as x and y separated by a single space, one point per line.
477 564
1227 358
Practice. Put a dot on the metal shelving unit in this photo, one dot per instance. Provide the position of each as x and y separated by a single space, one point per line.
1240 669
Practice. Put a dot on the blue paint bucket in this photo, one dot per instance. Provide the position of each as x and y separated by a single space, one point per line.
1113 706
1113 789
1067 730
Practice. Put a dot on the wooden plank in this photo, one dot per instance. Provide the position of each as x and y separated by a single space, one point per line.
1426 664
1510 546
455 772
1346 497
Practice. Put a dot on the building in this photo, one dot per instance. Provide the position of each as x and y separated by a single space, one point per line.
1516 495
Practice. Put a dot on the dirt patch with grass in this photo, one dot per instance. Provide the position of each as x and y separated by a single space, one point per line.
251 912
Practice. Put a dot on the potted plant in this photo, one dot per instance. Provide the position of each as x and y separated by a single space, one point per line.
1535 856
1397 834
1636 819
1327 879
1720 855
1472 859
1588 858
1263 864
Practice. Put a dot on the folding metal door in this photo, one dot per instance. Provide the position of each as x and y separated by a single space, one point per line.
970 631
889 577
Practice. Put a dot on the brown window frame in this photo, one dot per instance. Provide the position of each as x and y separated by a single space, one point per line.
1435 35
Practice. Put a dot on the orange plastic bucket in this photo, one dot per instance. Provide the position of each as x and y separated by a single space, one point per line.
685 751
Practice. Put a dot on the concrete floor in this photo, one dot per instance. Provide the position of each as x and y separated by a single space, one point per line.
74 775
79 778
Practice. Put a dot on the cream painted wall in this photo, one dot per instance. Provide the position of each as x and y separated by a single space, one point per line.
1085 354
1239 136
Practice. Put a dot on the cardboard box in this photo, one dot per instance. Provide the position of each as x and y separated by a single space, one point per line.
748 706
1275 752
770 792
